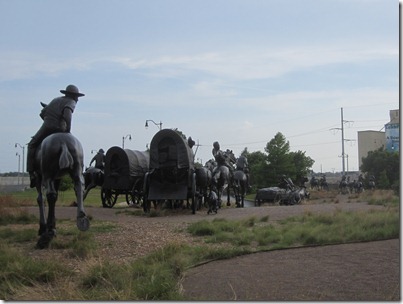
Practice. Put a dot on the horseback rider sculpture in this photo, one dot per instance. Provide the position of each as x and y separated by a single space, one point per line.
57 116
286 183
99 160
221 158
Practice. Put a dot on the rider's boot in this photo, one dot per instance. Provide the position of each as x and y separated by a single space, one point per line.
32 178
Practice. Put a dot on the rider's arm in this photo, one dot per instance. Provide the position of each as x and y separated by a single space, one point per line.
67 115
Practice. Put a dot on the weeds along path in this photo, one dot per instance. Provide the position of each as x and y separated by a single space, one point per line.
135 235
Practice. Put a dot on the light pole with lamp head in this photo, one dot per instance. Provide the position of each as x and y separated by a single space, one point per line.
23 154
157 124
123 139
19 160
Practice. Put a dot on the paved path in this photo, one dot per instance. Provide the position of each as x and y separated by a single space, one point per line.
349 272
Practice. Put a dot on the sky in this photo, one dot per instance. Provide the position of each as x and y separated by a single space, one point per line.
232 71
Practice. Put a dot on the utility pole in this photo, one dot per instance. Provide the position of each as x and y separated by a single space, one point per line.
343 155
342 139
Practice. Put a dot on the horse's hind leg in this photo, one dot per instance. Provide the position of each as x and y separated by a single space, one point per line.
42 216
47 229
83 222
51 221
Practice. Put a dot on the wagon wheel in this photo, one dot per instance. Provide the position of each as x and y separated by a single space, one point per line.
193 194
108 198
135 196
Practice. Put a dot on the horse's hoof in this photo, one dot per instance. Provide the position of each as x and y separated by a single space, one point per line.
83 223
41 244
44 240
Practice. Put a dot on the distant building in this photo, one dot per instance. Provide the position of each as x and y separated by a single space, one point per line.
392 129
369 141
373 140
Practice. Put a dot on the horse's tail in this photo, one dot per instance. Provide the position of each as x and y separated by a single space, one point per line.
66 159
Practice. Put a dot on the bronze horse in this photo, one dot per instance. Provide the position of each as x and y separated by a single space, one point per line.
239 185
222 179
92 177
59 154
203 183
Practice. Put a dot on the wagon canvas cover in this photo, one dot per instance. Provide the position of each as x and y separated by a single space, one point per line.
169 149
170 152
122 166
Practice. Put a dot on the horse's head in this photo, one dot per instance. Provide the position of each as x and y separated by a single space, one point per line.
210 165
230 155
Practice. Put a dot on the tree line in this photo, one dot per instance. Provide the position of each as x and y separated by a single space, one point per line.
384 166
266 168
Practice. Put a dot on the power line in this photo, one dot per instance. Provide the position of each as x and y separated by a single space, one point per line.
317 144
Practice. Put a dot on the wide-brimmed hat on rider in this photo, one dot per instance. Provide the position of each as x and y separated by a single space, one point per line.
71 89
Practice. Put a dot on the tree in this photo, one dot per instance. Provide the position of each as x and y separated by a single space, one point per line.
384 166
257 166
383 181
279 159
267 167
66 183
302 164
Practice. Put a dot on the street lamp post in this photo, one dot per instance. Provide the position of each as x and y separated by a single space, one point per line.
19 160
157 124
23 154
123 139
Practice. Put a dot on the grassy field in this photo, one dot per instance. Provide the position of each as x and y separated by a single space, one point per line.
156 276
65 198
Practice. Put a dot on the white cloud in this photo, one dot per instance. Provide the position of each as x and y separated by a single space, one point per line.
259 63
236 64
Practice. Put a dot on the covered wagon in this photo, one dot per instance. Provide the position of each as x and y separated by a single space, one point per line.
171 173
124 174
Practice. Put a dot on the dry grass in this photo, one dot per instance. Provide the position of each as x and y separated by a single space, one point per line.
12 201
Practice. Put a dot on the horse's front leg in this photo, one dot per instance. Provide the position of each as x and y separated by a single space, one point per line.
228 196
83 223
219 193
91 185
